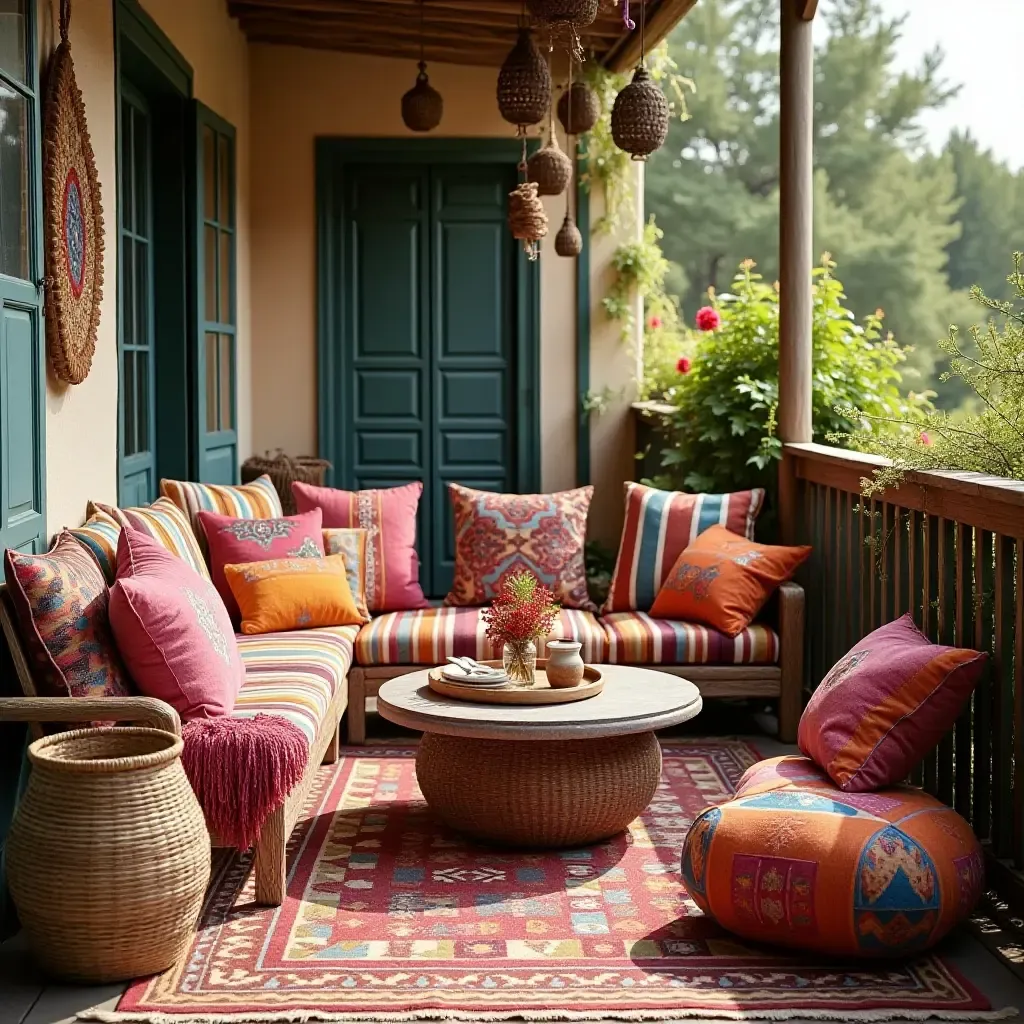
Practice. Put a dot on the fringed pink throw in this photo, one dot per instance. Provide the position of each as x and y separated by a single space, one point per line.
241 769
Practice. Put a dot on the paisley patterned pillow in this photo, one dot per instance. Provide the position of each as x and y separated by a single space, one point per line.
233 541
61 604
498 534
353 544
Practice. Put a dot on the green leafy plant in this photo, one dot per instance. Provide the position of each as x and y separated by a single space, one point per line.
721 432
989 437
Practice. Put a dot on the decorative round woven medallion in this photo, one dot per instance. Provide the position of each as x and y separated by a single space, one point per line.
640 116
73 224
584 110
524 83
550 168
422 105
568 241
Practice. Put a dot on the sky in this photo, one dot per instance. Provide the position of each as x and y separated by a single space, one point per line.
984 45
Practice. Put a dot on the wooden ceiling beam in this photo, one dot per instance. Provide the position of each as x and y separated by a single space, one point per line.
660 21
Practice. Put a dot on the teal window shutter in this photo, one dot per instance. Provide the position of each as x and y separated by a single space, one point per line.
216 428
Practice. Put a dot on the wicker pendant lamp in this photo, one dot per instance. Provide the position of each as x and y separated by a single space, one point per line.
550 168
640 113
422 105
578 109
569 241
524 83
578 13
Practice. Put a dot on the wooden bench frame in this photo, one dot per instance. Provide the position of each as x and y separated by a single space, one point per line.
269 862
783 681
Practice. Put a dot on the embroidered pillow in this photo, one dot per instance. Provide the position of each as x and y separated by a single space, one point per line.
256 500
658 526
61 603
499 534
723 580
885 704
293 593
389 516
173 631
164 522
231 541
352 544
99 536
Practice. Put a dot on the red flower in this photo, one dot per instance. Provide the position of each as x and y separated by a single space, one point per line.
522 610
925 438
683 366
707 318
654 323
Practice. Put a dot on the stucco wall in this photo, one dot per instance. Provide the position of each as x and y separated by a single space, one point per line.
81 421
352 95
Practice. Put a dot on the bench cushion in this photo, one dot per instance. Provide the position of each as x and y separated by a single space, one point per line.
634 638
429 635
294 674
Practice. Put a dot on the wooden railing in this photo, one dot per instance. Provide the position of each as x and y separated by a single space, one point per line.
949 549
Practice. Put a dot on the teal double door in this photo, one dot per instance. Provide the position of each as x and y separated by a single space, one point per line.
428 361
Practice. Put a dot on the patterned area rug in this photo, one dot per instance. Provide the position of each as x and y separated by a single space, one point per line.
391 917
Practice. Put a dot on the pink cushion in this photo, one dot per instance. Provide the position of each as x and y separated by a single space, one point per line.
389 514
173 631
885 704
232 541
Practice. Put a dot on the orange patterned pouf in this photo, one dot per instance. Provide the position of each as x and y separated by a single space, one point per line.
792 860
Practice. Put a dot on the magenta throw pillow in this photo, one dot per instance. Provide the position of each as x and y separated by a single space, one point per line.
173 631
232 541
885 704
388 514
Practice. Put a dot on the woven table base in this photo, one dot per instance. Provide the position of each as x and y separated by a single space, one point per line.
539 793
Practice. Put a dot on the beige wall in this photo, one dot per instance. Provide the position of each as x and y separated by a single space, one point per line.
351 95
81 421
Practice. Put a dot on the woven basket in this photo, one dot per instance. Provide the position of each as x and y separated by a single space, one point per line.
586 109
524 83
108 857
568 241
283 470
640 116
422 105
550 168
578 13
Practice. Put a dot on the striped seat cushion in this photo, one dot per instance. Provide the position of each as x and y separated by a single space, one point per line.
634 638
429 635
162 520
295 674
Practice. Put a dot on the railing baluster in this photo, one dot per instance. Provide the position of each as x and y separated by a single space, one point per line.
1018 710
983 694
963 732
929 591
850 635
945 566
1002 682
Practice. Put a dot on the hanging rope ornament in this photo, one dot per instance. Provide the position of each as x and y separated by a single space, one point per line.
640 113
549 167
422 105
526 217
579 114
524 83
72 220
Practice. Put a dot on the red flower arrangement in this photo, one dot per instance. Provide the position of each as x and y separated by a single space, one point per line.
523 611
684 364
707 318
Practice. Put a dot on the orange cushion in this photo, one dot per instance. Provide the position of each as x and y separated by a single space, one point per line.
723 580
791 860
293 593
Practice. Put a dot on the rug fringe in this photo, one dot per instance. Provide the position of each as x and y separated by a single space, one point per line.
315 1017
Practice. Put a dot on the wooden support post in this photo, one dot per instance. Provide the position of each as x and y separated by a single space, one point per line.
796 259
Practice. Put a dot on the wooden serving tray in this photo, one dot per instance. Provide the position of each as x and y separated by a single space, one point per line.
514 693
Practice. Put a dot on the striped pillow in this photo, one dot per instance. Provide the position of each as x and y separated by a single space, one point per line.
659 526
163 521
256 500
99 535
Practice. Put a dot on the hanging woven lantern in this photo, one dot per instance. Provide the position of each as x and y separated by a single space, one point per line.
568 241
578 13
581 114
550 168
640 116
422 105
524 83
526 217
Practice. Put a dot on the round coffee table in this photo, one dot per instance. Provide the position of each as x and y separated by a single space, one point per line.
543 776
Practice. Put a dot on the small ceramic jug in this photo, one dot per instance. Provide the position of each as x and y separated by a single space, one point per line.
565 666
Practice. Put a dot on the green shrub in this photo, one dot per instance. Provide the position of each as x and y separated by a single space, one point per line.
721 435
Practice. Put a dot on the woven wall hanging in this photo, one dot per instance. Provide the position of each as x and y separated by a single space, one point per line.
72 220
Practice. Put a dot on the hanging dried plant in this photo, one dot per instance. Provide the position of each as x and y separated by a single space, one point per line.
578 109
526 217
524 83
550 168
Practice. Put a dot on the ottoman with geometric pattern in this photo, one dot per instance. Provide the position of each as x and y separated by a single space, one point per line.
794 861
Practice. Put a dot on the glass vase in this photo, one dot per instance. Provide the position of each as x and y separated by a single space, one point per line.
520 661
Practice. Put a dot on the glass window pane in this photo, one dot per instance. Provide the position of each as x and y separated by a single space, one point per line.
211 360
224 211
128 290
14 183
143 295
209 174
127 172
12 38
128 393
210 273
140 139
227 314
142 393
226 361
